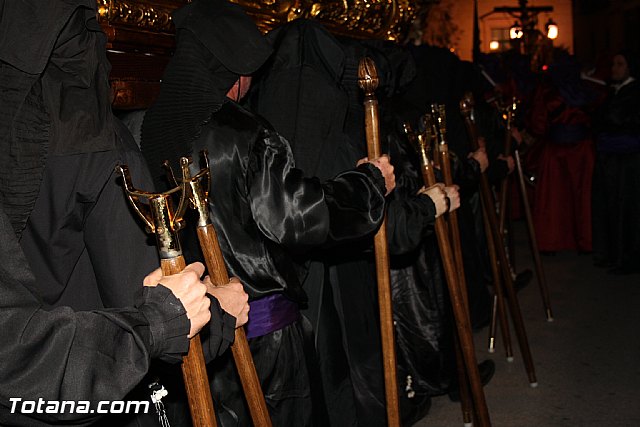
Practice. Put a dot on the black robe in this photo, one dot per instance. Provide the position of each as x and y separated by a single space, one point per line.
77 323
62 354
616 182
84 251
309 93
266 212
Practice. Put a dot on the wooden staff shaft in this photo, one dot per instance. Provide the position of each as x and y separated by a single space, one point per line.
454 233
505 182
194 370
514 306
454 229
487 201
384 282
460 313
499 310
463 383
240 348
542 281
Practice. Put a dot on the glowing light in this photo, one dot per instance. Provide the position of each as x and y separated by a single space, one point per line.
515 32
494 45
552 30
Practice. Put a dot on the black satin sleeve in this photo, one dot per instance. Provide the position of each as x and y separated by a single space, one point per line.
298 211
288 207
356 201
410 217
409 221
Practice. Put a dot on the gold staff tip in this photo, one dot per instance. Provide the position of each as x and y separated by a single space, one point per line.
367 75
467 103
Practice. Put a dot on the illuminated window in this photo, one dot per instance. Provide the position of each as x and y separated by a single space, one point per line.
500 40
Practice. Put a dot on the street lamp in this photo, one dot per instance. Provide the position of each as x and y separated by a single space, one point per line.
515 32
552 29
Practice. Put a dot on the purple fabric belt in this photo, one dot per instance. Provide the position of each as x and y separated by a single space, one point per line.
621 144
568 134
270 313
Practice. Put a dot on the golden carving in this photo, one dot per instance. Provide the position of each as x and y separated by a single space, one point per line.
149 15
381 19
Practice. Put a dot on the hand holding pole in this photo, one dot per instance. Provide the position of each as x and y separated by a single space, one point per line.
198 194
460 312
368 81
164 223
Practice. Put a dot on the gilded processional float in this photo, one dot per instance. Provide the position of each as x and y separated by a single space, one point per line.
140 33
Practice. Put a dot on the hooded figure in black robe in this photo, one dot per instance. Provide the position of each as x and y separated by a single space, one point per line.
438 81
77 323
309 92
264 210
299 92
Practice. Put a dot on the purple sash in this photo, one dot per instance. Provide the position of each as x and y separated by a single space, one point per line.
568 134
270 313
620 144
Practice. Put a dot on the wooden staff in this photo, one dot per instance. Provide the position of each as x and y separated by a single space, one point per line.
460 312
463 379
165 223
514 306
368 81
439 127
438 123
488 203
219 275
542 281
507 114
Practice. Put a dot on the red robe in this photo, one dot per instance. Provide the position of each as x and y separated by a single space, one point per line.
562 198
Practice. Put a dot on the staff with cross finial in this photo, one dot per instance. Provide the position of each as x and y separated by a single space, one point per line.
198 185
368 82
165 223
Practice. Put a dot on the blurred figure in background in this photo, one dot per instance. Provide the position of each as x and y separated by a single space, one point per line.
616 182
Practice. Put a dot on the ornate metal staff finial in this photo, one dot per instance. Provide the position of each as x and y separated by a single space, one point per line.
467 105
157 214
411 134
438 115
368 76
199 185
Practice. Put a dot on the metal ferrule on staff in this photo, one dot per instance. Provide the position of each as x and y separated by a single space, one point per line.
158 216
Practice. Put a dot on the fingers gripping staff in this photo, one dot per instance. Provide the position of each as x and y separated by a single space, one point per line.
463 326
198 193
164 223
